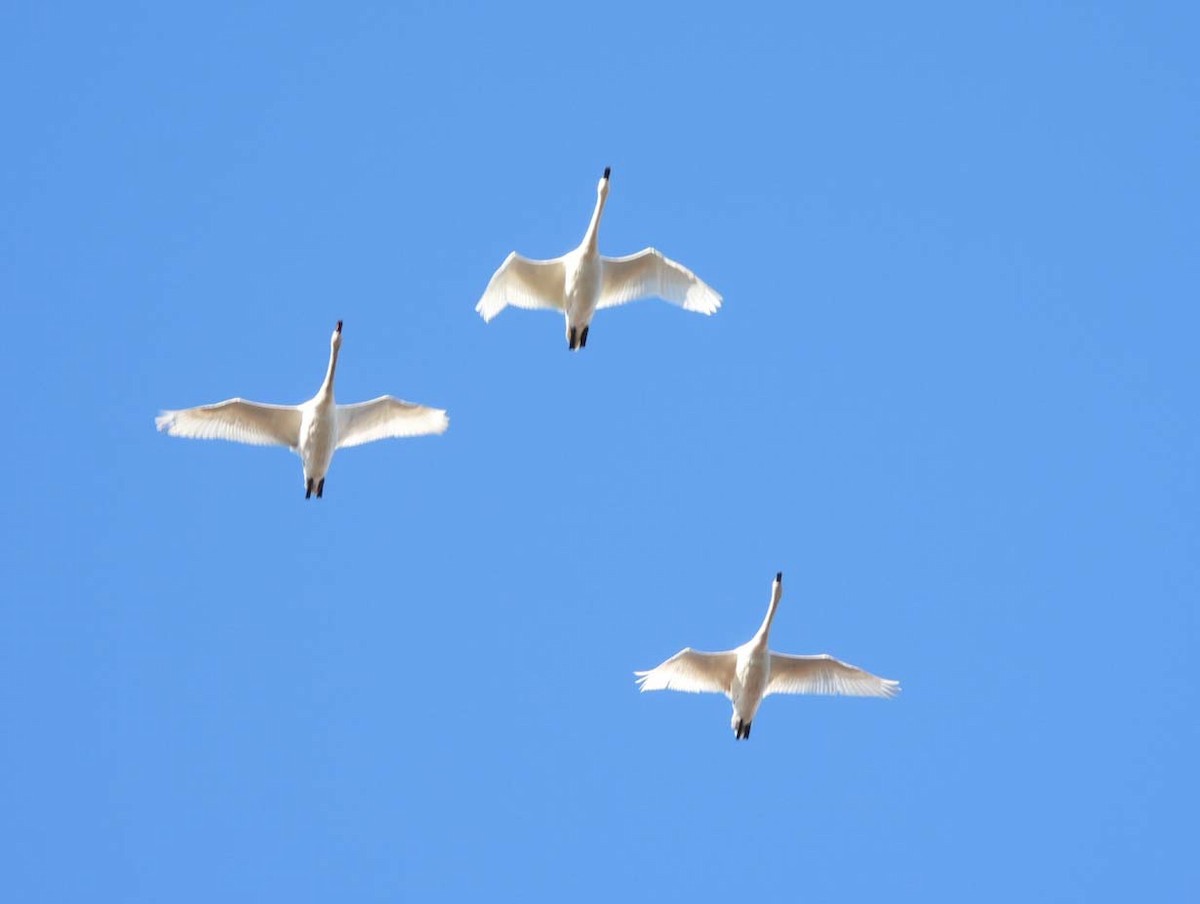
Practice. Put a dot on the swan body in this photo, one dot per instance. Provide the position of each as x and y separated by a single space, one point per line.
314 430
752 671
318 439
582 281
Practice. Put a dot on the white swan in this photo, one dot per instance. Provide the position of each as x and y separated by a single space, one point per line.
751 672
582 281
314 429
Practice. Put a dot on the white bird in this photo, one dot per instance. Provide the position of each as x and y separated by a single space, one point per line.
582 281
313 429
751 672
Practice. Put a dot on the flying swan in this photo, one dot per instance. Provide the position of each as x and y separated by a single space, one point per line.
582 281
313 430
751 672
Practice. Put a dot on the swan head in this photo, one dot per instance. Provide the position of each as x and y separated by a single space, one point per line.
336 339
602 185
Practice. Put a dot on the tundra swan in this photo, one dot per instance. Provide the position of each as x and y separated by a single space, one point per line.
583 281
751 672
313 429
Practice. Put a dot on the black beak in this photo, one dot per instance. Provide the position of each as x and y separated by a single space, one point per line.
339 327
607 170
779 577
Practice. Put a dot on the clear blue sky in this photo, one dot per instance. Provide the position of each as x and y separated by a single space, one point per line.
952 394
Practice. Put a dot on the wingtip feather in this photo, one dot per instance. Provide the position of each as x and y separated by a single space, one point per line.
486 311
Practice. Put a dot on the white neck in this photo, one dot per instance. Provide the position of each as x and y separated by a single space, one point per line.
327 384
776 595
593 230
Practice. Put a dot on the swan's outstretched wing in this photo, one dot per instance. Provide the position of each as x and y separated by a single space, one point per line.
648 274
691 671
386 416
825 675
524 283
236 420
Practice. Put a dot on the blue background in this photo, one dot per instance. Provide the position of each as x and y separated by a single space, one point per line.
952 394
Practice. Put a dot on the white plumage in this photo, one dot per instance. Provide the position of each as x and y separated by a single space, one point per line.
313 429
752 672
236 420
583 281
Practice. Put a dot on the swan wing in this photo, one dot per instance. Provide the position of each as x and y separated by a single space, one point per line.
648 274
825 675
236 420
386 416
524 283
691 671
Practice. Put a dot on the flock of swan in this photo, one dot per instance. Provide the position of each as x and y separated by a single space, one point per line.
577 284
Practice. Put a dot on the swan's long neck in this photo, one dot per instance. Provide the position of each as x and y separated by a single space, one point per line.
327 384
593 230
776 595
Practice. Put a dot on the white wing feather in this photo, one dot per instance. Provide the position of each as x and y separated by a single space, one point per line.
236 420
824 675
524 283
691 671
648 274
385 417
